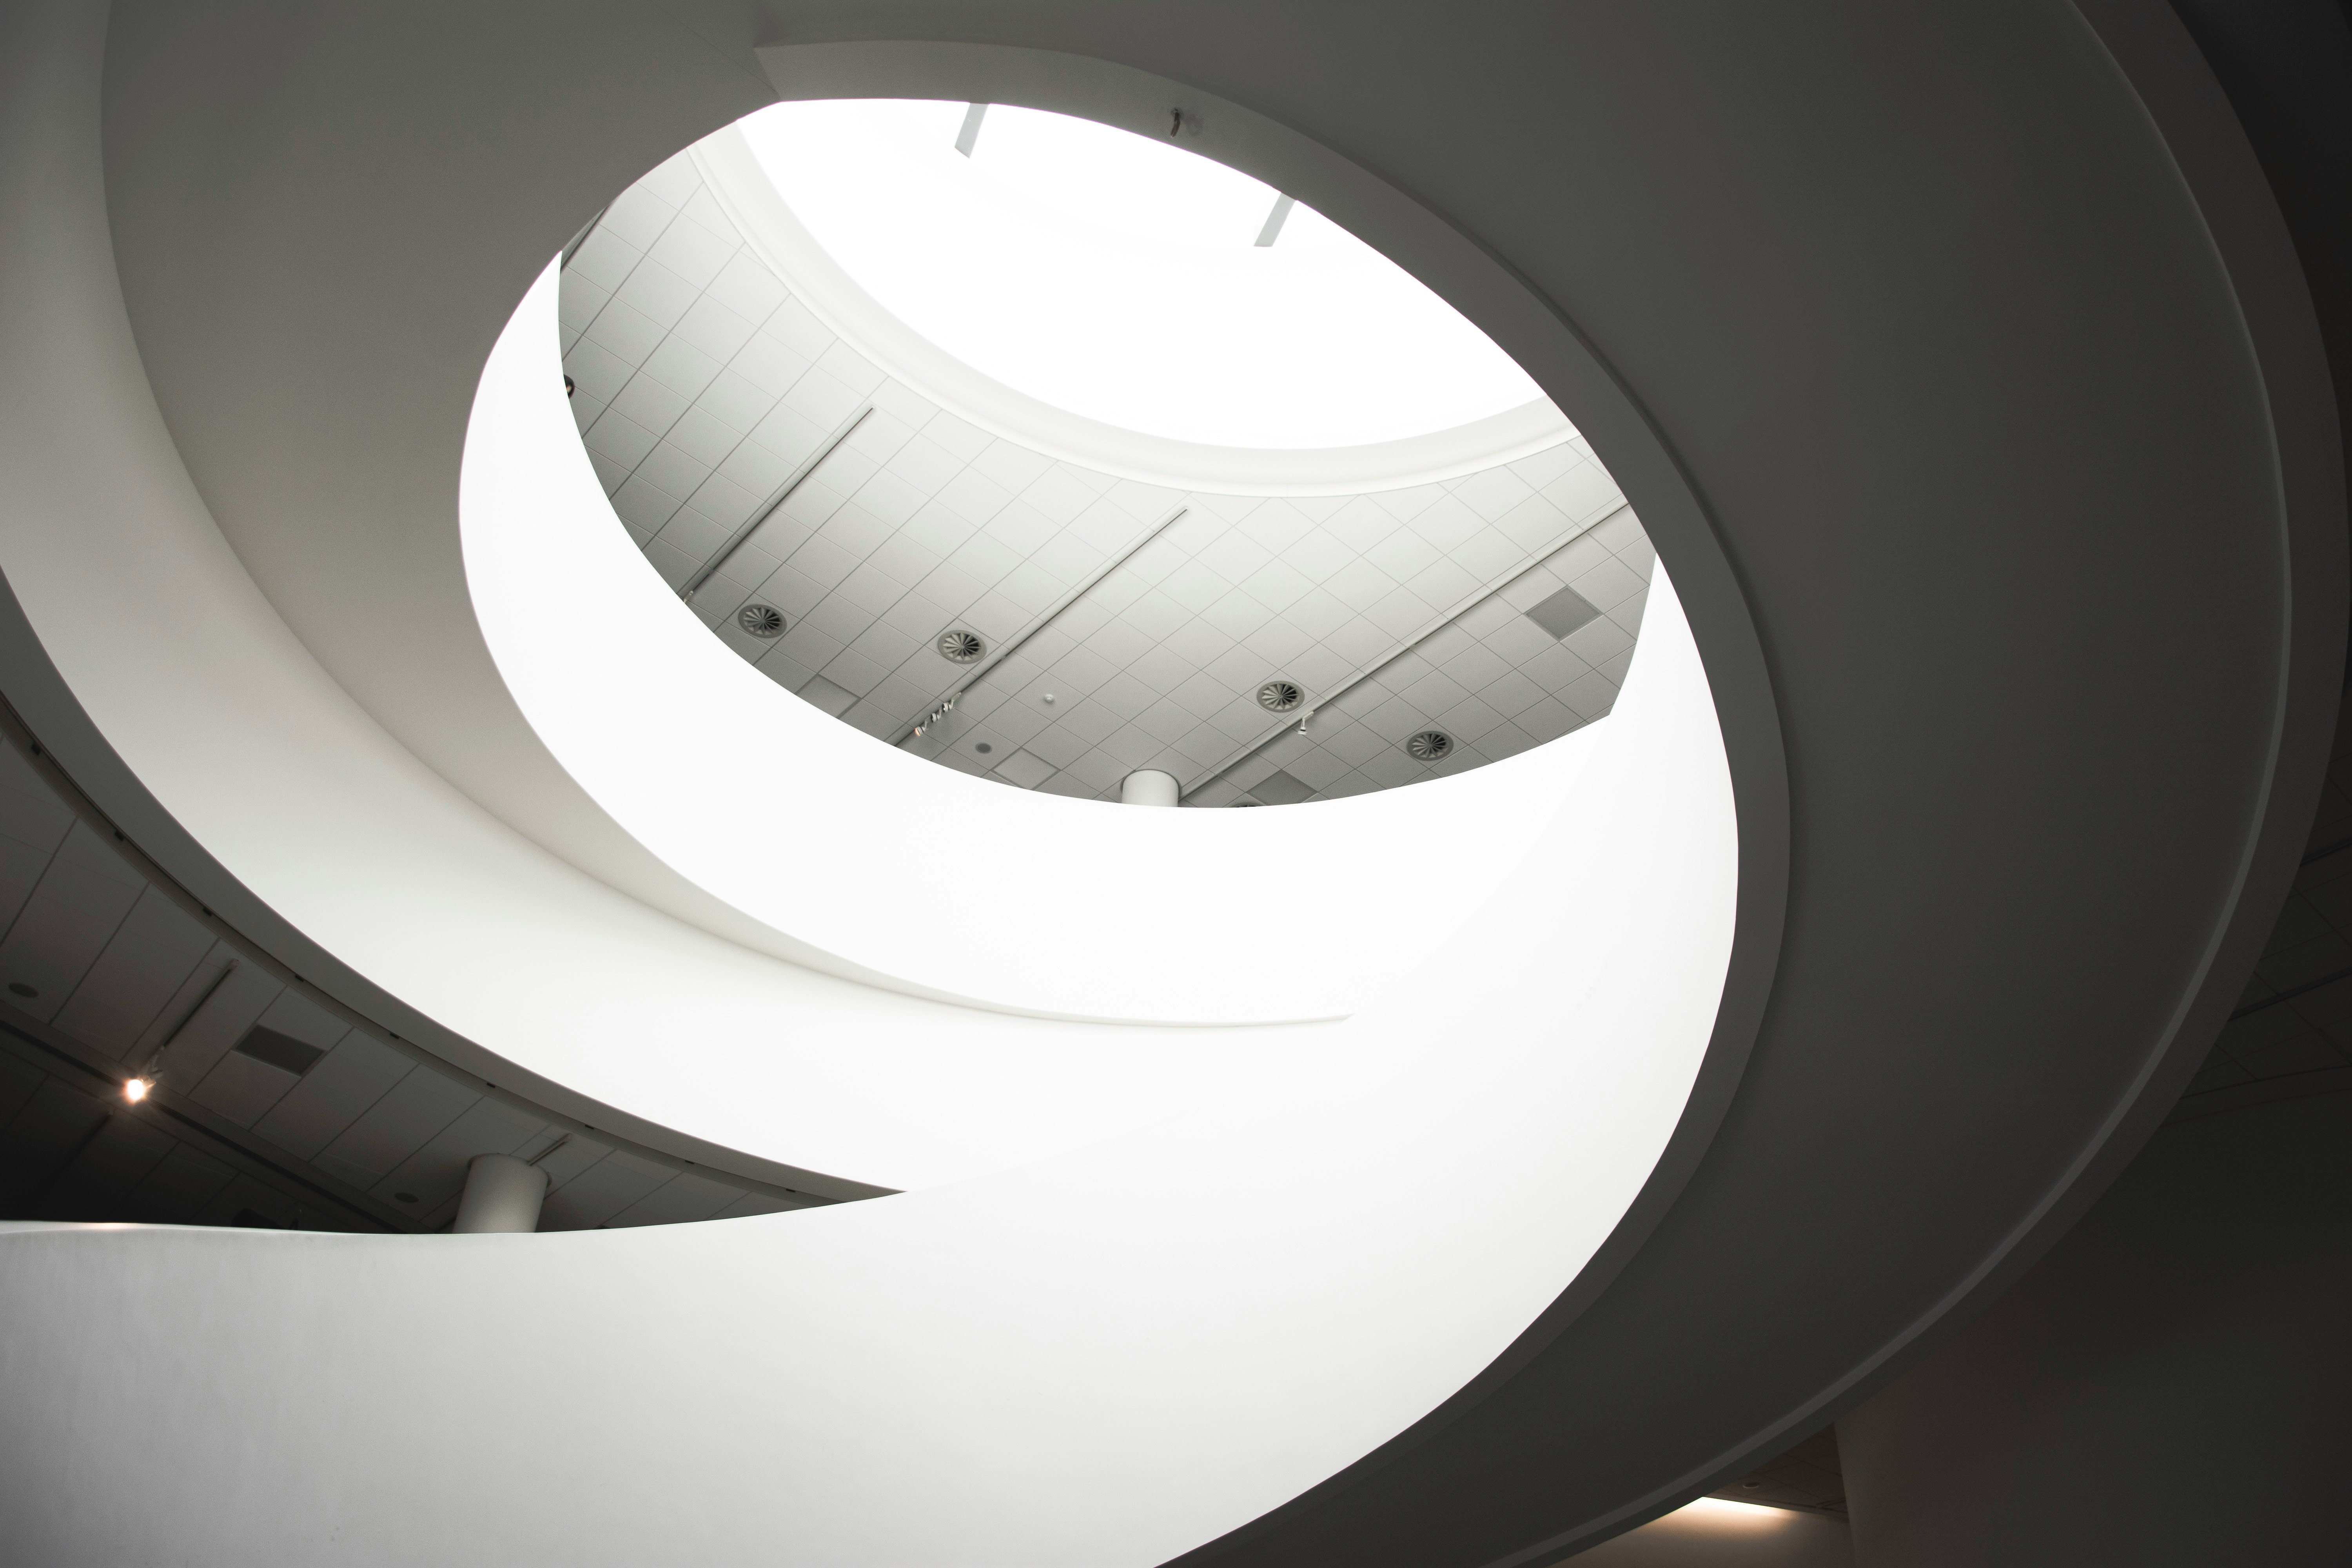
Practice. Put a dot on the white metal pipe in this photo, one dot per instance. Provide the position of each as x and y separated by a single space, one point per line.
1148 787
502 1194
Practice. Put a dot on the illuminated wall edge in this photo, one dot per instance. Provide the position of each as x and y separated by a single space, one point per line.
1007 1369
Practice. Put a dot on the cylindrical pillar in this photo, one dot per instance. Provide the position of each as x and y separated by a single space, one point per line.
2168 1386
1148 787
502 1194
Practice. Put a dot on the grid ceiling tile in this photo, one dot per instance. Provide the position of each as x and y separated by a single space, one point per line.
332 1095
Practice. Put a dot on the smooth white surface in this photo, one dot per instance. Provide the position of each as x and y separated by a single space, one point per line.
1118 277
864 856
1102 1360
741 183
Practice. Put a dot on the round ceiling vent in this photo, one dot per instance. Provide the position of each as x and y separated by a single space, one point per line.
760 620
1430 745
961 647
1280 696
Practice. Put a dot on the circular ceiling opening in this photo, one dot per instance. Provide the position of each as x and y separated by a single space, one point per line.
1127 280
981 597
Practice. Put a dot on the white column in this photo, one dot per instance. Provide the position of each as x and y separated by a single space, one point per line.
1148 787
502 1194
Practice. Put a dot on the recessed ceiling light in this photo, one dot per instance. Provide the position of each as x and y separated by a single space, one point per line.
1728 1511
135 1090
760 620
961 647
21 989
1430 745
405 1197
983 748
1280 696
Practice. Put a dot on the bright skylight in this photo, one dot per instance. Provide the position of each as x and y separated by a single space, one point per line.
1120 278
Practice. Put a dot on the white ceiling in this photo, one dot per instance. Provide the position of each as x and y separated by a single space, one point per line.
702 385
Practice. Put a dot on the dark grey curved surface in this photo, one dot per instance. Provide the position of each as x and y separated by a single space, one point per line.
1956 359
2166 1388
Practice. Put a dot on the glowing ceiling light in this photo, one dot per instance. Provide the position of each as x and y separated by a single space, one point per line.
1127 280
135 1090
1725 1511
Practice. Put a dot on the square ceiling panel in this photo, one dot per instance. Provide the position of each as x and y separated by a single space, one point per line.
282 1051
1564 612
1278 789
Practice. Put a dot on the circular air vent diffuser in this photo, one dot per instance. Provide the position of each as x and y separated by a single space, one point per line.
760 620
961 647
1279 696
1430 745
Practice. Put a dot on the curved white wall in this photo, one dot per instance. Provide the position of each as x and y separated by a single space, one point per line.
1104 1358
1216 1264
